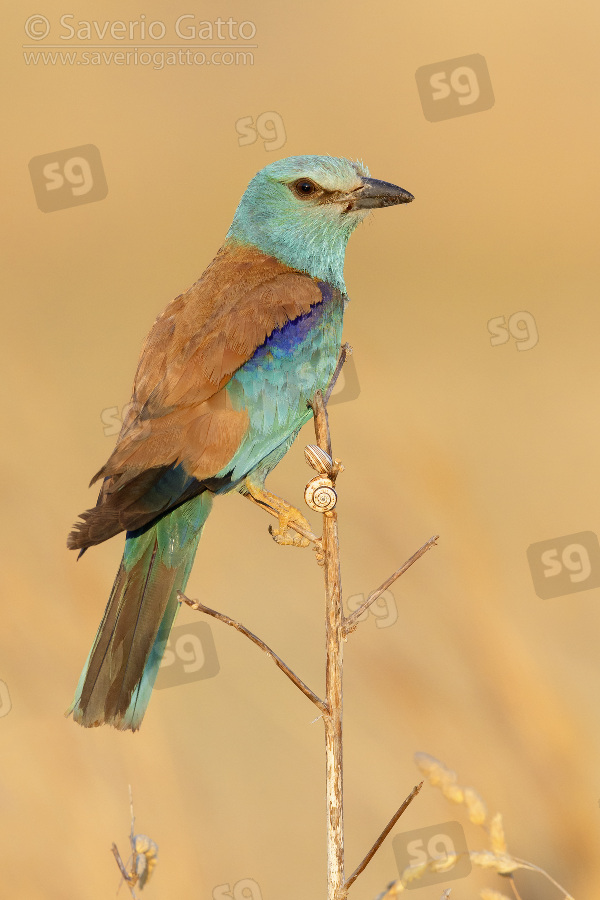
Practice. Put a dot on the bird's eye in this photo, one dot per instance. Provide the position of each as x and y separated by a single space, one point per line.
304 187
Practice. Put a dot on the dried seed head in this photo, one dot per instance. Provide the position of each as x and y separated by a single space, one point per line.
503 865
452 792
393 889
412 873
443 863
497 838
476 806
439 775
434 770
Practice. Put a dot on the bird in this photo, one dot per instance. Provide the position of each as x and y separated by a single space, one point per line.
220 393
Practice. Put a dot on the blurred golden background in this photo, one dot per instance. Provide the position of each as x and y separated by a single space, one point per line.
454 431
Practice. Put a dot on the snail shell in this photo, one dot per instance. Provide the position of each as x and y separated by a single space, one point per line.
318 459
320 494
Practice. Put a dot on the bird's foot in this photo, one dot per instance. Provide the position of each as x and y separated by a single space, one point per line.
286 514
284 536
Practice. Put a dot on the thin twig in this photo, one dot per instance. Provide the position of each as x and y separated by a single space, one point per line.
125 874
514 886
533 868
195 604
321 421
132 833
344 354
351 622
130 878
363 865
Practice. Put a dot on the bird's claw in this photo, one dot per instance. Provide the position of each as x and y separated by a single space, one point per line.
288 538
283 536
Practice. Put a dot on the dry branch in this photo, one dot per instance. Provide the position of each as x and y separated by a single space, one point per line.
363 865
334 623
337 628
200 607
351 622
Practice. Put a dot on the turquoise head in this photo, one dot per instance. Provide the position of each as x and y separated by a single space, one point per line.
303 209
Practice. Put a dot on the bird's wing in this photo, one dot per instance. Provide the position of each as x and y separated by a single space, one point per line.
181 419
179 411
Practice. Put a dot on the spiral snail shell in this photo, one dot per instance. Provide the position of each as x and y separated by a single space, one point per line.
320 494
318 459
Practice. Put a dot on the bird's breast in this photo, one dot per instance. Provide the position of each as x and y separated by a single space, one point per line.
282 375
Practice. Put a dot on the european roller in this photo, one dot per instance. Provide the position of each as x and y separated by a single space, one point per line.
219 395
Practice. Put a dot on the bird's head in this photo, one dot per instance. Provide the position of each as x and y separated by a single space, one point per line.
303 209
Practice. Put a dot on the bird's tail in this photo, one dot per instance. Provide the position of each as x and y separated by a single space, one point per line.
119 674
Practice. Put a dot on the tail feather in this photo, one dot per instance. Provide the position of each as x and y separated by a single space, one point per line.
117 680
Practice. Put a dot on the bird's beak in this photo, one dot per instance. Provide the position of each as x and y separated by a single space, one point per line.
374 193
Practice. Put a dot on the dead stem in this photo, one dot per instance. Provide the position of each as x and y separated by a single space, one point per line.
195 604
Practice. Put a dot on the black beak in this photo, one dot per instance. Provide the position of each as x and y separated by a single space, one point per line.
375 193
